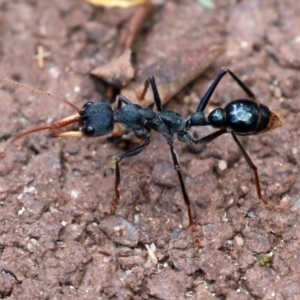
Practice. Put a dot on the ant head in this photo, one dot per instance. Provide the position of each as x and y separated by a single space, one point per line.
96 119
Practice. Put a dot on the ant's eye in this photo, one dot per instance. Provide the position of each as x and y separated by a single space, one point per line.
89 131
87 104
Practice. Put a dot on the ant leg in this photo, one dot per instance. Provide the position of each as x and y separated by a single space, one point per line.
155 93
185 137
207 139
213 86
118 175
151 81
122 99
146 86
185 195
242 85
257 182
11 274
211 89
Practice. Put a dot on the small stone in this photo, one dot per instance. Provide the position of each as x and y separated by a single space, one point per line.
239 240
222 165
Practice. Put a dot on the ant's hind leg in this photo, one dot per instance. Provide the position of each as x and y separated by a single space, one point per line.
118 175
249 93
205 99
257 182
209 138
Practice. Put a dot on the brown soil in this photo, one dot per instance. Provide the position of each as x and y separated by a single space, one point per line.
56 239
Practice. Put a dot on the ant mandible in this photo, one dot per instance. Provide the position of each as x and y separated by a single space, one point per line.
239 117
97 119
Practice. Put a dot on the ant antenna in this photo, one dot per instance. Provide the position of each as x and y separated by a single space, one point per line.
39 92
56 125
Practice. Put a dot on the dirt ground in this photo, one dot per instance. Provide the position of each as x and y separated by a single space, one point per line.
57 240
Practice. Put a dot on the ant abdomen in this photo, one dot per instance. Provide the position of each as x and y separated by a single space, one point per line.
243 117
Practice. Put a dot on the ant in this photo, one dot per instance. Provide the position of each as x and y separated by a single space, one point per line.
239 117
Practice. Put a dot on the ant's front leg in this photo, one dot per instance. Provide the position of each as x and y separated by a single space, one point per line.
151 81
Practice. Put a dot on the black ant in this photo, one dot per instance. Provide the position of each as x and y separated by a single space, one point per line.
239 117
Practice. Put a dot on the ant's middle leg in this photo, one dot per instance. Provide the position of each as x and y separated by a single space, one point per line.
118 175
257 182
185 194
